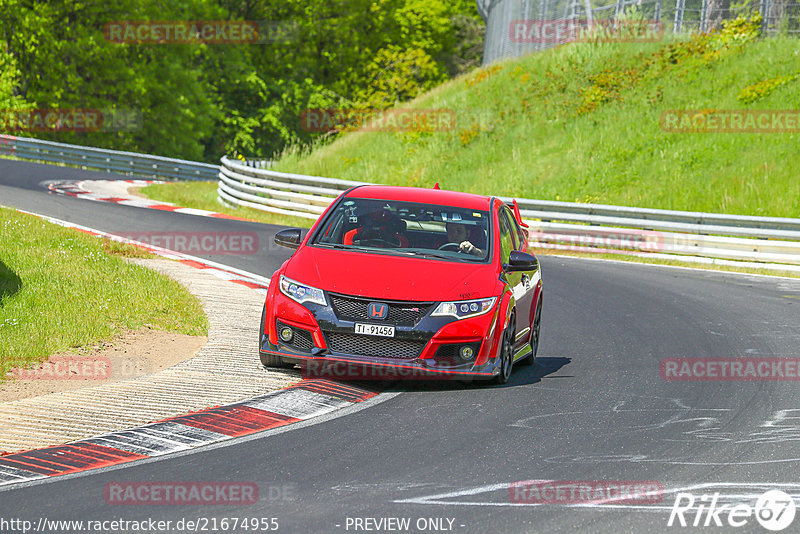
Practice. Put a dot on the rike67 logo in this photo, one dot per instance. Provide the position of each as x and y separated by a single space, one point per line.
774 510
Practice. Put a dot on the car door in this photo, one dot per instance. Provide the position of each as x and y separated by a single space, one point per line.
519 280
525 289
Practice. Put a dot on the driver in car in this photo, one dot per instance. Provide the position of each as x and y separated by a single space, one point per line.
457 233
381 228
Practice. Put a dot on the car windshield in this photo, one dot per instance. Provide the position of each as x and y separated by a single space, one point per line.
407 228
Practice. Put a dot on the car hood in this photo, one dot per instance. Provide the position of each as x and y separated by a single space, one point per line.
383 276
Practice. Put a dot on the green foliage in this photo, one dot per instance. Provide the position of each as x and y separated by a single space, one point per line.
396 75
10 100
761 89
742 29
199 101
65 62
700 50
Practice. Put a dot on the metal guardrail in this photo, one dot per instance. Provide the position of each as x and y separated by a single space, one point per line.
557 225
128 163
552 224
278 192
655 219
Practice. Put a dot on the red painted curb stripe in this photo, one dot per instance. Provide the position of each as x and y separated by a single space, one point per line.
68 189
225 422
69 459
335 389
85 231
235 420
251 285
163 207
232 217
195 264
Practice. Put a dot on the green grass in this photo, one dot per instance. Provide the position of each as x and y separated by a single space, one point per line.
64 290
582 123
203 195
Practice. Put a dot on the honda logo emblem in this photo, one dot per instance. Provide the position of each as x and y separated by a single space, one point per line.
377 310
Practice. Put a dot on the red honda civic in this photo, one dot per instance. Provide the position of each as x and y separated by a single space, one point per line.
401 282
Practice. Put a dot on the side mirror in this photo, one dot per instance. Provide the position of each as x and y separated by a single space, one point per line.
521 261
289 238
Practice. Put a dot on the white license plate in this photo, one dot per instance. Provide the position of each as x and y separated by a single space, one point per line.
375 330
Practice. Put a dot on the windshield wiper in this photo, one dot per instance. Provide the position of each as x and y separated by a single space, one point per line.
357 248
336 245
431 255
460 257
399 252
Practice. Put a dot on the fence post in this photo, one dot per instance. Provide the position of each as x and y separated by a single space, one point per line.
704 16
764 7
542 14
678 27
619 9
589 14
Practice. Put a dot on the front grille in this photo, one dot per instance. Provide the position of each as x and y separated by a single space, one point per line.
400 313
383 347
301 340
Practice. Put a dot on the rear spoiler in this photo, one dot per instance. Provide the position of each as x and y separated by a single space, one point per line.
518 215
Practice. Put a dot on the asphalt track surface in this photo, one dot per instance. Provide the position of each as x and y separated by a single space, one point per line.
593 408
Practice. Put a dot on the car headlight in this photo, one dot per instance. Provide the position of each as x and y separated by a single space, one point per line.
461 309
301 293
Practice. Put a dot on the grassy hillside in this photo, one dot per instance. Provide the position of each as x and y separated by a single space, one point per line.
582 123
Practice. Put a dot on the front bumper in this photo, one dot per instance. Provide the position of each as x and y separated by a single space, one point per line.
325 344
355 367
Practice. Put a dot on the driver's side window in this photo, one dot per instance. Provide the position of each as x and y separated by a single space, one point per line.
506 239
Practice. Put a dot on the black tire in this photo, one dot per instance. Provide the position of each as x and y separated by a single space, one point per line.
269 360
536 328
507 352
